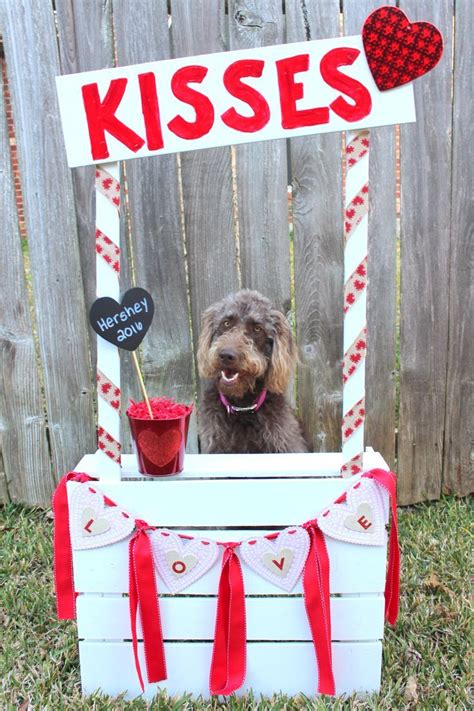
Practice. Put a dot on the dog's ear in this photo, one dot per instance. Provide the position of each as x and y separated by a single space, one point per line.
204 344
283 357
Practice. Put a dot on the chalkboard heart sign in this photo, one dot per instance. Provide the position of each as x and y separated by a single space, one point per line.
124 324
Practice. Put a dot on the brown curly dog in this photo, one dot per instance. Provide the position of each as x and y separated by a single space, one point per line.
247 352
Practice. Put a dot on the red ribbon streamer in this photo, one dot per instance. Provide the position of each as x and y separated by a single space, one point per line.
63 573
392 584
143 594
229 650
317 603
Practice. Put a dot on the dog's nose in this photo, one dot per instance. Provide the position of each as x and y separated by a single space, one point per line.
228 357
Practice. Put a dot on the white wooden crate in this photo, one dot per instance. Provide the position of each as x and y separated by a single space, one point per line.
243 492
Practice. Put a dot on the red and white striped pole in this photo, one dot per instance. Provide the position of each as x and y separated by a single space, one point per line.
108 360
355 300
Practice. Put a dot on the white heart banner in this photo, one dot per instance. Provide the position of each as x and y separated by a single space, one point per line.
181 561
279 560
92 523
359 519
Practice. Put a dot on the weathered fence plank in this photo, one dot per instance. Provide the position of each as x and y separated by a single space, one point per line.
85 36
142 34
25 454
382 266
458 473
197 28
262 171
425 236
30 42
318 248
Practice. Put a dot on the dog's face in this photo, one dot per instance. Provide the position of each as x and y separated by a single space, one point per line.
243 340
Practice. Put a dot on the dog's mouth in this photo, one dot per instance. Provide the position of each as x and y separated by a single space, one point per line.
230 377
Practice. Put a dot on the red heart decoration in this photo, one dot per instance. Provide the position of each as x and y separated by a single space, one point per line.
159 448
397 50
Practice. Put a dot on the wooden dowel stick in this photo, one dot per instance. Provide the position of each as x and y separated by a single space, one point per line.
142 384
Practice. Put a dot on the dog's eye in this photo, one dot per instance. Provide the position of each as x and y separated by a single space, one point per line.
257 329
226 323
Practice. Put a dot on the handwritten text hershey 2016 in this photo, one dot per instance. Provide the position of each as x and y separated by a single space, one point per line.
126 313
123 324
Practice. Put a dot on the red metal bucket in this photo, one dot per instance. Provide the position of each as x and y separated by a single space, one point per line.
160 444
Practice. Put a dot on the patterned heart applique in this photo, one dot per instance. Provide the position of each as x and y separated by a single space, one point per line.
181 561
281 560
92 523
359 519
159 448
397 50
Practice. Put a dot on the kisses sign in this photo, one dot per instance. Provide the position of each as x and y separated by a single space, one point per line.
225 98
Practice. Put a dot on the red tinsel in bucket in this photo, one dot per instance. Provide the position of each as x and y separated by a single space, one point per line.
159 442
163 408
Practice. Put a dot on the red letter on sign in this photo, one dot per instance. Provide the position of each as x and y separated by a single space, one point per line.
101 118
151 111
351 87
291 91
234 85
201 104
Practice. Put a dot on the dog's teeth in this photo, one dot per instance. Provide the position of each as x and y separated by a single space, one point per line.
231 379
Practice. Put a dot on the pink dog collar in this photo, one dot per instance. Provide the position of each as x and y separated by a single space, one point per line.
234 410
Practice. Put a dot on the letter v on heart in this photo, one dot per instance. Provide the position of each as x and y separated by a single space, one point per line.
359 519
280 561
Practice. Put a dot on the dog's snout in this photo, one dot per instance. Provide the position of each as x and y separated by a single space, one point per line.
228 357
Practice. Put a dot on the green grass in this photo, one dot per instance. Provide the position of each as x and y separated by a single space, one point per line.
426 657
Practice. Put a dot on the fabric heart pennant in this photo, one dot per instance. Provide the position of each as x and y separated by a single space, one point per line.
357 517
280 559
398 50
93 524
181 561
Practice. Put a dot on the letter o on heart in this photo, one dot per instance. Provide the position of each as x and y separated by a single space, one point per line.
178 567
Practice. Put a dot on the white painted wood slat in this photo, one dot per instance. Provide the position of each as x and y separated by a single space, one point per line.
108 355
268 618
271 668
225 502
354 569
210 466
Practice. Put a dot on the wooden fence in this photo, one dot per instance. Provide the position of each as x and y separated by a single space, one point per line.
202 224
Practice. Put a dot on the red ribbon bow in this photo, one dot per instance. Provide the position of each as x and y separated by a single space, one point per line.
63 573
229 651
317 604
392 583
143 594
142 583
